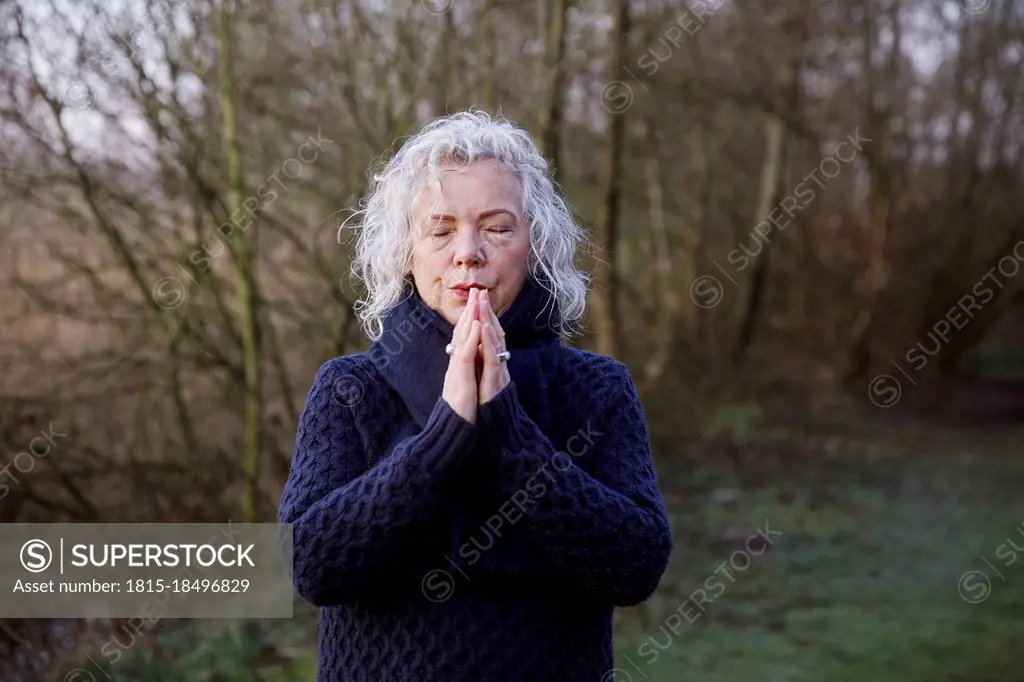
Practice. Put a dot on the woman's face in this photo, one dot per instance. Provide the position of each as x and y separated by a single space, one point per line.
469 230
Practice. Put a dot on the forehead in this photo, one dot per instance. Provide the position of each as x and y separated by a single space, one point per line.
483 185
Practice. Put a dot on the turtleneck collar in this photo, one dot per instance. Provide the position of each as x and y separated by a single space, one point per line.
410 351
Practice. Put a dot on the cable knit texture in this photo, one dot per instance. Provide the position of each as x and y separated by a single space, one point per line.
445 551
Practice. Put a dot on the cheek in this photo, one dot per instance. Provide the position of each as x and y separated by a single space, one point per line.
510 252
428 261
428 272
514 259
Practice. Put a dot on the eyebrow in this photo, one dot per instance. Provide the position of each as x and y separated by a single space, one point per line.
490 213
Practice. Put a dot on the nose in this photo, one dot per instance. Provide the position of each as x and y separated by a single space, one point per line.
468 248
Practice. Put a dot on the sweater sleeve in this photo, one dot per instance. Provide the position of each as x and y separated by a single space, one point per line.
350 521
609 531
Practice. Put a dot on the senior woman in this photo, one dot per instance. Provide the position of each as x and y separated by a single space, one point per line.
470 497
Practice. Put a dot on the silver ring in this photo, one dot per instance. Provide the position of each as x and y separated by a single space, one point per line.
503 355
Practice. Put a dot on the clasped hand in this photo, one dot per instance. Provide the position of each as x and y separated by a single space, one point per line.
475 372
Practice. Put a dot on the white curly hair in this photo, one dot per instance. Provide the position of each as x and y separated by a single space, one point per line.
384 247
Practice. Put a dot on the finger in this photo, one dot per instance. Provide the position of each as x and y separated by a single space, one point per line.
486 372
465 310
494 318
479 310
499 333
474 297
468 312
490 347
462 325
466 351
496 344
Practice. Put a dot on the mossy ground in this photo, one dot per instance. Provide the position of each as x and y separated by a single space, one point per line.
862 584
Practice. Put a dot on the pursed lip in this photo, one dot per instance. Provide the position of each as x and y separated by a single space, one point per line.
462 289
467 286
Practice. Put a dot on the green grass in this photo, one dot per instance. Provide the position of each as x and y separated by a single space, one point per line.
225 651
862 585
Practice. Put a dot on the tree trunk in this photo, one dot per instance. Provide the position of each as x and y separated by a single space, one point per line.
248 297
555 69
490 29
605 295
699 218
665 296
875 278
445 66
859 356
750 305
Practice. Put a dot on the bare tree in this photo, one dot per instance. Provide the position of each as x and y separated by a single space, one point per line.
606 308
245 258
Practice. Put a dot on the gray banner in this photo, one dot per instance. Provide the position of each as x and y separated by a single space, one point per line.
157 570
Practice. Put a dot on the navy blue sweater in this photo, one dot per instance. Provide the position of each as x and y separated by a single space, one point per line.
442 551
